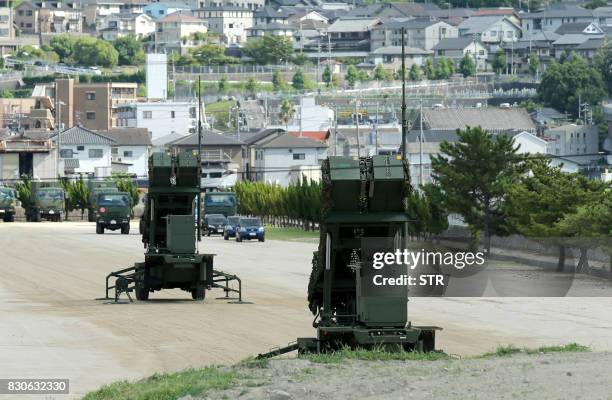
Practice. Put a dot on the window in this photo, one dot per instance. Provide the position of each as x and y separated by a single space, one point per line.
80 148
91 115
493 33
28 13
28 25
114 151
20 12
172 114
147 114
91 95
66 153
299 156
95 153
509 34
128 153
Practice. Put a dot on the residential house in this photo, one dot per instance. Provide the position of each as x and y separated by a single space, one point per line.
586 28
12 112
119 25
310 119
603 16
251 140
6 20
25 17
352 34
268 14
30 153
457 48
31 18
94 10
539 44
160 10
573 140
273 29
589 48
246 4
392 56
492 30
223 157
94 106
285 159
130 152
529 143
230 22
301 16
552 17
159 118
568 43
494 120
175 30
422 33
84 151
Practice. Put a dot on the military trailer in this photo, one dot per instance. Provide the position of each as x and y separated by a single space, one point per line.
95 188
114 212
8 202
170 235
364 203
225 203
47 202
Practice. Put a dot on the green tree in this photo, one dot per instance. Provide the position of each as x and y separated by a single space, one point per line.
298 81
499 61
351 76
327 76
269 49
534 64
142 90
603 62
563 84
63 45
300 59
473 174
278 83
286 112
442 69
430 72
543 197
362 76
24 191
379 73
415 73
467 66
6 94
130 50
251 85
212 54
126 184
222 85
92 51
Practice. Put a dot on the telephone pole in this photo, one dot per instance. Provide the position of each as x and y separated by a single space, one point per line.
404 127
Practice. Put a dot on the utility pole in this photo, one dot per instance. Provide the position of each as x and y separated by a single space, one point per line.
336 130
404 127
238 122
301 115
376 130
199 204
357 126
421 143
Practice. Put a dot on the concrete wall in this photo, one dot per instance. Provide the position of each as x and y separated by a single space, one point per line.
139 159
277 164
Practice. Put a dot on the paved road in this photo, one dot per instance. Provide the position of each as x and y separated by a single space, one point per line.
52 327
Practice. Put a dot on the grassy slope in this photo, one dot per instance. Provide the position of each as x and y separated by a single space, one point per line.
291 234
199 381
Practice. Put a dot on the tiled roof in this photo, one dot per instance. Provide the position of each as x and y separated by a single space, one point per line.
289 141
208 138
80 135
491 119
180 17
459 43
129 136
353 25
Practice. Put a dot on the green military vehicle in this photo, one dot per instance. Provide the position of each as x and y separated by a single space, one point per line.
47 202
8 202
114 212
95 188
225 203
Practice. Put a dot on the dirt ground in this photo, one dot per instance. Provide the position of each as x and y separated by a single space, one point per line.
52 326
545 376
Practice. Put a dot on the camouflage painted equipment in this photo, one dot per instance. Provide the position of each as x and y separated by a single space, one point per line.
8 202
95 187
47 201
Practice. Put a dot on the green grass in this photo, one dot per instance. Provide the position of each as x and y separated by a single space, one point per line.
374 355
504 351
168 386
291 234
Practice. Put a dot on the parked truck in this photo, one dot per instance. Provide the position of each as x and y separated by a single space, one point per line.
47 201
225 203
95 188
114 212
8 202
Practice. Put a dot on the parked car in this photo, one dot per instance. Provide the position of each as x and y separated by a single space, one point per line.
214 224
230 227
250 228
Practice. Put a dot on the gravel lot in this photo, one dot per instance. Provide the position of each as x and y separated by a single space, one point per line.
52 326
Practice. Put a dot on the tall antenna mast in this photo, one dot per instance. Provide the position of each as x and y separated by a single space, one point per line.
199 223
403 147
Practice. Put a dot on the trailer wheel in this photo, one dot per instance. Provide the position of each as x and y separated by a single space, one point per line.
198 294
90 215
9 218
142 292
125 229
225 236
262 239
238 238
428 340
99 229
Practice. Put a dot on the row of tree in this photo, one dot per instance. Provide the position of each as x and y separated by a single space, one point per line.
298 205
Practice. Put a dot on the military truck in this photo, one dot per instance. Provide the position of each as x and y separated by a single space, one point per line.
225 203
95 188
8 202
170 234
47 202
114 212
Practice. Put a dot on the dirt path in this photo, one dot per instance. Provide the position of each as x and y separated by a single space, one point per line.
52 327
